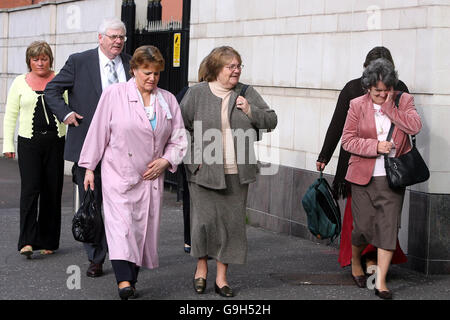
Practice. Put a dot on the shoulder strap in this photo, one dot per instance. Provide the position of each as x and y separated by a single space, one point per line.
391 130
243 90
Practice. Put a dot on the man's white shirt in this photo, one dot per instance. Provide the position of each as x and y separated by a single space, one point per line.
103 61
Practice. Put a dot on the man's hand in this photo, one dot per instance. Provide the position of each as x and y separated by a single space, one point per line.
72 119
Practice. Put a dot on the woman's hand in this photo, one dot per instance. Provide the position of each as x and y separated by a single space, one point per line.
10 155
242 103
320 165
384 147
156 168
390 96
89 179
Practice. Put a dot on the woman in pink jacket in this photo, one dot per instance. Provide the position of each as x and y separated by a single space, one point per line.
376 207
137 133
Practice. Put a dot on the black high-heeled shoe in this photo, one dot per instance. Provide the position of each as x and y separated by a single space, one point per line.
225 291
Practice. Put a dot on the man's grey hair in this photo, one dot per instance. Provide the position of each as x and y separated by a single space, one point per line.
111 23
379 70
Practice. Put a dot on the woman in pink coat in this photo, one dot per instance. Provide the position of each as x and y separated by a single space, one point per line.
137 133
376 207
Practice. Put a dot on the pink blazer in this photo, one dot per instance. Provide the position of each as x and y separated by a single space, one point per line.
360 135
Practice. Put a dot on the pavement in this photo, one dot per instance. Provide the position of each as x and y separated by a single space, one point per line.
279 267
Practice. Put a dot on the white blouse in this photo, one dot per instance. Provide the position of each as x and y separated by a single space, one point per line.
383 124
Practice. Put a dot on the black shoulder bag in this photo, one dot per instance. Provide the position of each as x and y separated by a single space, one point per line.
409 168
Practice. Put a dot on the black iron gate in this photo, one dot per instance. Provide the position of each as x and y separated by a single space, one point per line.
172 39
173 46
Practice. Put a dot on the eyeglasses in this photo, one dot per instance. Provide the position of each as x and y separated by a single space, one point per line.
233 67
114 37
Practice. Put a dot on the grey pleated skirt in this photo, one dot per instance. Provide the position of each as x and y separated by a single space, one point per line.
376 210
218 228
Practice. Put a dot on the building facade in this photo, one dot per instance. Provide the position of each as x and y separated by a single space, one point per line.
298 54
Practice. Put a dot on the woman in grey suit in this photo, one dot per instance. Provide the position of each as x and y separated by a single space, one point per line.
222 125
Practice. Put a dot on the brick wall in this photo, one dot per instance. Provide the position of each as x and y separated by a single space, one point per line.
17 3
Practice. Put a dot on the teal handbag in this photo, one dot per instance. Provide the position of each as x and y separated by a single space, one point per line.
322 210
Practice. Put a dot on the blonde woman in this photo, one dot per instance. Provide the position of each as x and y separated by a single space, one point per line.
40 146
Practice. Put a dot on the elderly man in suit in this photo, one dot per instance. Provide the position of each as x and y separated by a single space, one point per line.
85 75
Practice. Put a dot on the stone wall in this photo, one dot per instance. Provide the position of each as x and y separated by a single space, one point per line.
299 54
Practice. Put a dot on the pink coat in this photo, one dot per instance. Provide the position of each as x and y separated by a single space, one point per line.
360 135
121 137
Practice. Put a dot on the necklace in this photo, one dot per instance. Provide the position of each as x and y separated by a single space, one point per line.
380 120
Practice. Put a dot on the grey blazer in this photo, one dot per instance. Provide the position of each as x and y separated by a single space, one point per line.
201 111
81 77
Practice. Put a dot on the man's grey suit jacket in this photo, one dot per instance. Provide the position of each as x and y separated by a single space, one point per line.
81 77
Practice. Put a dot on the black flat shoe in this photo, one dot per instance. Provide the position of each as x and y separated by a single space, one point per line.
126 293
361 281
199 285
385 295
225 291
187 248
135 294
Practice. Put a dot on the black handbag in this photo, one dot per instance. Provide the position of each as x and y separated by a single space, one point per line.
87 223
409 168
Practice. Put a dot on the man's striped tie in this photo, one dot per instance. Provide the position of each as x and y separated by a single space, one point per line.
112 74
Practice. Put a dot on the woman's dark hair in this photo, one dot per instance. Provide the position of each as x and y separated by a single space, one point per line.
379 70
377 53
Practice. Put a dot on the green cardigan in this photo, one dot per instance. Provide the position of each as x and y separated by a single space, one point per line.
22 100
